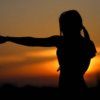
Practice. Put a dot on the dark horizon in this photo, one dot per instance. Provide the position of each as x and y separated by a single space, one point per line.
35 18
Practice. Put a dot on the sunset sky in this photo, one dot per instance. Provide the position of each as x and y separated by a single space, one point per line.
37 66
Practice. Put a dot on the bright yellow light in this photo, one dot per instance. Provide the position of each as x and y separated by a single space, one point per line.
91 75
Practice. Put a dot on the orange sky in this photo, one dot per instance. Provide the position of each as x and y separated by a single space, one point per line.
92 76
39 18
28 66
32 67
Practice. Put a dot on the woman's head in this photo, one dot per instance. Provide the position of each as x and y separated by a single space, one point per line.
70 21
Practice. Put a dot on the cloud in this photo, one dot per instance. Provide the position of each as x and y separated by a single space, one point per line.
26 58
33 80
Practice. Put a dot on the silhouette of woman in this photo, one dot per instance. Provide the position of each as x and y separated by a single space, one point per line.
70 46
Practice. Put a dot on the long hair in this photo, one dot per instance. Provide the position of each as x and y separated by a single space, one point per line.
70 19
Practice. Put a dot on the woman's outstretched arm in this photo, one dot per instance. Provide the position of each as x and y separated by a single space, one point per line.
32 41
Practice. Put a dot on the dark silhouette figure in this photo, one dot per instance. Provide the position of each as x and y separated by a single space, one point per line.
74 50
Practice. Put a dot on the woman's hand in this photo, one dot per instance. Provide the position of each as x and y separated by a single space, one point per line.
2 39
86 34
84 29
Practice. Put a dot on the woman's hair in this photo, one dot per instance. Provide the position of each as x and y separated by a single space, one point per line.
70 20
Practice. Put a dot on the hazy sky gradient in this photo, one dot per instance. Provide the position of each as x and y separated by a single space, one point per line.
38 18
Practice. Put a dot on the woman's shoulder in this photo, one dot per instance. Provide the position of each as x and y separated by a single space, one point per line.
58 37
58 40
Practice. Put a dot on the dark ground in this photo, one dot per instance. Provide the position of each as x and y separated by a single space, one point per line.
10 91
41 93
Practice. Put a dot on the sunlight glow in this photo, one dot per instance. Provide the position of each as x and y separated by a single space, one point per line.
92 75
